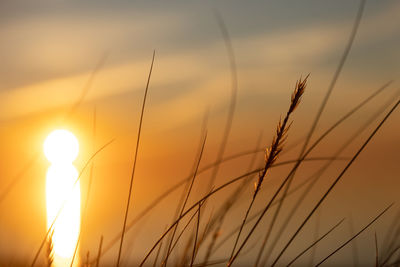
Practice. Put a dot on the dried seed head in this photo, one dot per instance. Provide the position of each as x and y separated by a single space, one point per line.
298 92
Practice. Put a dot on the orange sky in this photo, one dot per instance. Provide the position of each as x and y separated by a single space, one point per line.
49 51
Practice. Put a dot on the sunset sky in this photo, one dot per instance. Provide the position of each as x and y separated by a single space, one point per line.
50 49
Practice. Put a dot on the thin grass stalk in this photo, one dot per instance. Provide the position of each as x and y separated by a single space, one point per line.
273 152
204 234
269 231
356 235
99 251
214 191
193 206
177 185
319 173
157 255
395 237
196 168
134 160
376 251
389 233
336 154
186 252
20 175
354 244
183 259
88 191
337 72
181 233
86 88
320 111
233 97
215 262
66 200
314 243
87 259
305 154
332 84
206 228
229 203
196 235
256 214
337 180
316 233
171 190
395 264
390 255
50 250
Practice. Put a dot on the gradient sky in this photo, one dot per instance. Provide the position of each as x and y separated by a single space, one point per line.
48 50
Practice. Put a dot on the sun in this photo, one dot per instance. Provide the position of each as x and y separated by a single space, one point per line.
61 146
63 198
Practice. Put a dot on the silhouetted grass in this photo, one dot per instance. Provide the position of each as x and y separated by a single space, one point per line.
134 160
211 235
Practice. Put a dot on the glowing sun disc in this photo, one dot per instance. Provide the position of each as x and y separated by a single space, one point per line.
61 146
63 198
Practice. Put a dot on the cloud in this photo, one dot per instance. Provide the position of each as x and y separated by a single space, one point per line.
62 49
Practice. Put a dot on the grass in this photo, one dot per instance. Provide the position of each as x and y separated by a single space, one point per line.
271 156
177 246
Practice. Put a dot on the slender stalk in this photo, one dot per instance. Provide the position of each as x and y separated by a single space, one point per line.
338 178
88 191
389 233
354 244
219 218
395 236
257 214
188 193
214 191
315 243
86 88
177 185
233 99
196 235
338 71
181 233
99 252
376 251
319 172
320 111
316 233
353 237
66 200
273 152
390 256
157 255
336 181
134 161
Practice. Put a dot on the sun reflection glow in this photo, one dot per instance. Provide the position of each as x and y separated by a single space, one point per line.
61 148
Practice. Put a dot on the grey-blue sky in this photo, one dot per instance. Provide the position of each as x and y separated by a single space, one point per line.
48 39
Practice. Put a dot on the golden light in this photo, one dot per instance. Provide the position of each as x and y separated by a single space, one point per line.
62 194
61 146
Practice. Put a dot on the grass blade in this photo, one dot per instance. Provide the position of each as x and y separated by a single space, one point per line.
315 243
337 180
353 237
134 161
